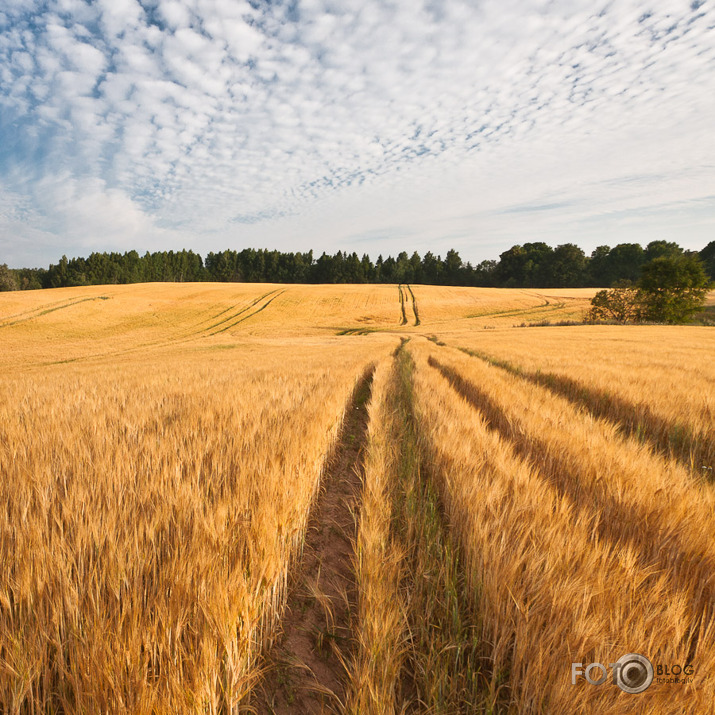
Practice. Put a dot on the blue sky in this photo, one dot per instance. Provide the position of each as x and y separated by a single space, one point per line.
366 125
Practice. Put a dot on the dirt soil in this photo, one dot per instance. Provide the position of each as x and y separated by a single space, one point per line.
306 666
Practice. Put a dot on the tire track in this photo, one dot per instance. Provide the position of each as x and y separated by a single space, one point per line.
545 307
39 312
414 305
250 315
306 668
179 339
30 311
403 320
442 669
253 303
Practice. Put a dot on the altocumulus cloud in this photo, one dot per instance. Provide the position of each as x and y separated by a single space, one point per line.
322 123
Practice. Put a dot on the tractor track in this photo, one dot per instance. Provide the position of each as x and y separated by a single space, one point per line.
306 667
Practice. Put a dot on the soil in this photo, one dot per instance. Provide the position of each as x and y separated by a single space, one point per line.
306 666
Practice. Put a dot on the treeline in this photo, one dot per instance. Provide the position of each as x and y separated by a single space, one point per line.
531 265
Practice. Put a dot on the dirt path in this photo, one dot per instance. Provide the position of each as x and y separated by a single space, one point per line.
305 670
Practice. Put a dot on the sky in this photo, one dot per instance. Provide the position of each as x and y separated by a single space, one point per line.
374 126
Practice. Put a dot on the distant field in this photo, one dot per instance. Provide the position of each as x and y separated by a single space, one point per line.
224 498
72 323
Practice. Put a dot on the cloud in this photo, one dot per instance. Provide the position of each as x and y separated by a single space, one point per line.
101 213
319 121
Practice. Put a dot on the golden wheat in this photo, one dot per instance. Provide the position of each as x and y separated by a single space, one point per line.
151 512
381 623
631 494
550 588
663 372
523 507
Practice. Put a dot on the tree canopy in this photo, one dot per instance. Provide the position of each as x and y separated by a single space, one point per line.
531 265
671 289
7 278
674 288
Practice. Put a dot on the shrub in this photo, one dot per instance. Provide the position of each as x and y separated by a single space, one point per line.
623 304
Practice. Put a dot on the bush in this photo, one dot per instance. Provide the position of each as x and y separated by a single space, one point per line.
623 304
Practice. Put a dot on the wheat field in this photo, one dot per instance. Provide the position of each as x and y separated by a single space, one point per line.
516 500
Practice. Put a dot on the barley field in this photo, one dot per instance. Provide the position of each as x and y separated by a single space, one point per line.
258 498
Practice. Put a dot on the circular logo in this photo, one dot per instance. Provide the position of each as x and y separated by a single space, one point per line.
635 673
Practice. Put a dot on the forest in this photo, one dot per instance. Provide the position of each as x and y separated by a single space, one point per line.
531 265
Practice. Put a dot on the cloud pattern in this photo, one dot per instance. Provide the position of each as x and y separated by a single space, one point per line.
318 123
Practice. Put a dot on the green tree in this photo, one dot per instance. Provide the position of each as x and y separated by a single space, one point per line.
431 269
625 262
416 267
7 278
567 267
30 278
387 272
403 269
57 275
662 249
673 288
707 256
484 274
537 270
353 269
512 266
452 267
599 268
621 304
368 269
